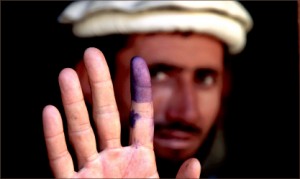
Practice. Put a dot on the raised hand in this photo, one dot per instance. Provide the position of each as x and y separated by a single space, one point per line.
113 161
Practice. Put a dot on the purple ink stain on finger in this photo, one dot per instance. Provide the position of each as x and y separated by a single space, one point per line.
140 81
133 118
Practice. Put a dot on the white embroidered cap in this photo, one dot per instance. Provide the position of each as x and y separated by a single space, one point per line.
228 21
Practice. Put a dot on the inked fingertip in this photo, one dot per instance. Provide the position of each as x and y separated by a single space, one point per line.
138 65
140 80
135 57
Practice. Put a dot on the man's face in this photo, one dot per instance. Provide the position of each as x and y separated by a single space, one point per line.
187 72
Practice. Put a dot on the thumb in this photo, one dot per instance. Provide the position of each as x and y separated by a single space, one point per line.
191 168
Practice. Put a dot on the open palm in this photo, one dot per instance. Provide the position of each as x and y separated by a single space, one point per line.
113 161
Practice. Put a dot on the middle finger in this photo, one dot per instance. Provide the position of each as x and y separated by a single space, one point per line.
105 111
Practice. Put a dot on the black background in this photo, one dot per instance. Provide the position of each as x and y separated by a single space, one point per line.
263 118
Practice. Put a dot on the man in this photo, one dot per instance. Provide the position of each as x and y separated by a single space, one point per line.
184 44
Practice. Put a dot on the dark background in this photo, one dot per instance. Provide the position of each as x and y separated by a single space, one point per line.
262 124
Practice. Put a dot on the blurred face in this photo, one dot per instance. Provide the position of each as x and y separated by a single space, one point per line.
186 73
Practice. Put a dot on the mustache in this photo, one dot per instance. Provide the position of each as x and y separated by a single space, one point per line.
177 126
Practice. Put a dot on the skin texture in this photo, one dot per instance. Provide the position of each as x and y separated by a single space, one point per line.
187 78
186 90
113 161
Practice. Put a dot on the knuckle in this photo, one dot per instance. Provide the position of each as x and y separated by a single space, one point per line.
106 110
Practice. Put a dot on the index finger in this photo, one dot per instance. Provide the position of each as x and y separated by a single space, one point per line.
141 115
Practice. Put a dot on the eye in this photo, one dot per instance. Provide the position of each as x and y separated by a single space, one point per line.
159 76
208 81
206 78
161 72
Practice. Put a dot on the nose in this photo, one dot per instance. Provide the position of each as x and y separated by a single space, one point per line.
183 107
